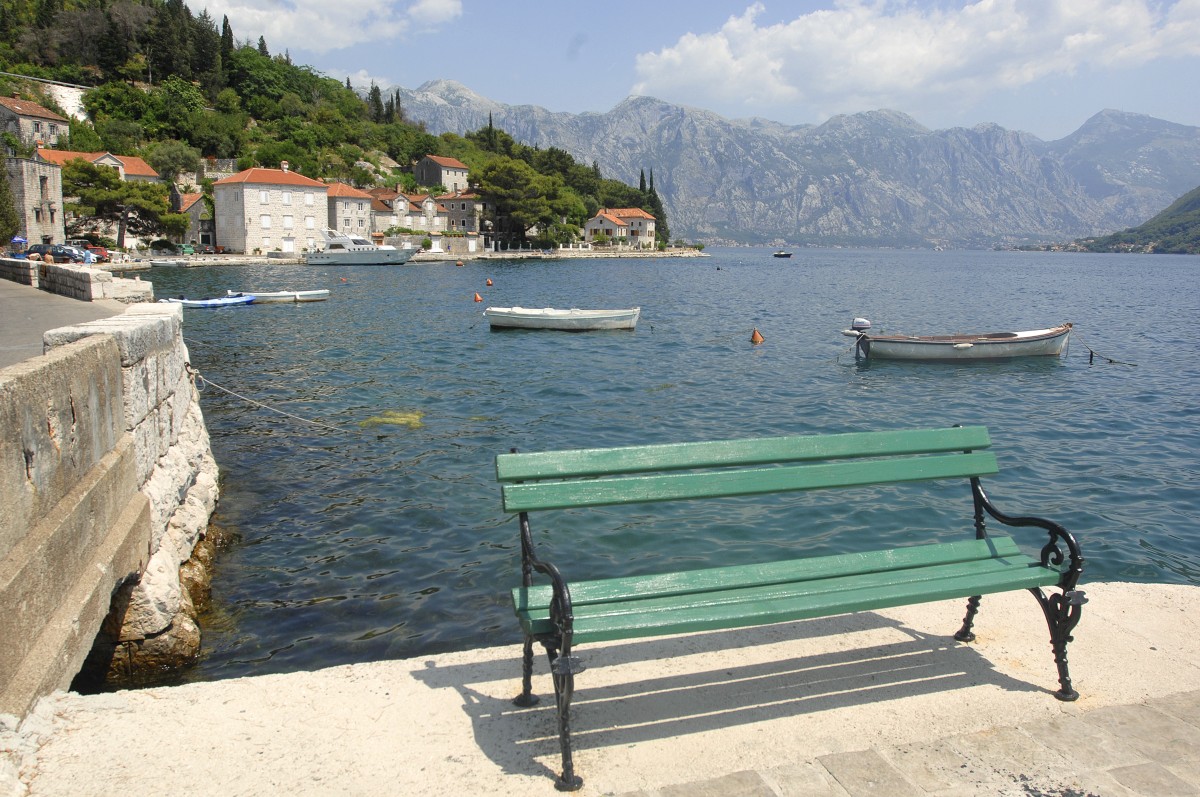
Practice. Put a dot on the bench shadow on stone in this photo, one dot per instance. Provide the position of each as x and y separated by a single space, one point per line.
716 695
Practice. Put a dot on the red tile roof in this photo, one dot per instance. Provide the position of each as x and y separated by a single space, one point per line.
447 163
187 200
626 213
260 176
132 165
341 189
27 108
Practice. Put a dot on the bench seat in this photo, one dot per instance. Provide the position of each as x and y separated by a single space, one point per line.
560 612
776 592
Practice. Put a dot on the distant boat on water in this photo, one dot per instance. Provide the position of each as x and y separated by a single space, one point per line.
220 301
573 320
352 250
783 253
261 297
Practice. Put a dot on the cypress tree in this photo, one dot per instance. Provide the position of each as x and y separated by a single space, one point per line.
10 222
262 47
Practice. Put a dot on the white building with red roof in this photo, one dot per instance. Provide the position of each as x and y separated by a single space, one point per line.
267 210
633 226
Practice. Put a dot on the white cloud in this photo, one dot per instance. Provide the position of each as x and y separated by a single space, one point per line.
901 54
319 26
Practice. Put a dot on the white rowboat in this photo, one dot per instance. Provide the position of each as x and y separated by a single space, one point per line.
261 297
573 320
1048 342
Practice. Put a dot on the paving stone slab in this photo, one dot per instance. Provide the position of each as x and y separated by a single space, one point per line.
865 773
1156 735
1153 780
1085 745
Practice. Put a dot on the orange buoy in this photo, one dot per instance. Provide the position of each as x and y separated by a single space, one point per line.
757 337
489 282
459 263
478 298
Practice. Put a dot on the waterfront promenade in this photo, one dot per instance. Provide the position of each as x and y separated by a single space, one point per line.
879 703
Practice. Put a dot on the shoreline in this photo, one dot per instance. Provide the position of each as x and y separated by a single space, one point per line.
194 261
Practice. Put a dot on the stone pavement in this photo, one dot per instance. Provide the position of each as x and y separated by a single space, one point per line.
1149 749
875 703
27 312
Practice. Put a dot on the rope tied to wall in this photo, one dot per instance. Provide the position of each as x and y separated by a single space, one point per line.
200 381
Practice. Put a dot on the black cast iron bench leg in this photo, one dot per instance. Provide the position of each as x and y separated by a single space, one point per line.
1062 615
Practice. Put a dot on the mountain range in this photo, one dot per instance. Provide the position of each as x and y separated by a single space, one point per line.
877 178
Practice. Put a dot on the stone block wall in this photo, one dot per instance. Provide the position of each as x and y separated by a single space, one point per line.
108 482
89 284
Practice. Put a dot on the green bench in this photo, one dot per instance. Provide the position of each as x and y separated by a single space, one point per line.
562 613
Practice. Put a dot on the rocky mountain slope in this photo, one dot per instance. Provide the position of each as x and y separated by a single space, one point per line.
874 178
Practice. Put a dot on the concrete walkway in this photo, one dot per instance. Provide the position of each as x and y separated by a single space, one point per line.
26 313
878 703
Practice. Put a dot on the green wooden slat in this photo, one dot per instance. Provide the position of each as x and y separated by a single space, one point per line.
635 588
775 604
721 453
751 481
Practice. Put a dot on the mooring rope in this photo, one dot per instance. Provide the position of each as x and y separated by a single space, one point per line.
1092 354
200 381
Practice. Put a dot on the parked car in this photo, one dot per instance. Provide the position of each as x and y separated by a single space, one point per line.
206 249
100 252
60 252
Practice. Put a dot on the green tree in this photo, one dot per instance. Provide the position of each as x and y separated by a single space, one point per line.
172 158
10 221
101 197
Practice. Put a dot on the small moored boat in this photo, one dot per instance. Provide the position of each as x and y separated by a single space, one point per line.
573 320
220 301
782 253
1048 342
261 297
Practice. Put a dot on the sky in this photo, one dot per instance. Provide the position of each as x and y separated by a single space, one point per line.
1040 66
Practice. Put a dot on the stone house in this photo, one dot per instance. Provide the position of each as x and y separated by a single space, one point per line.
31 123
350 210
447 172
200 222
268 210
423 213
130 168
384 213
464 210
634 225
37 194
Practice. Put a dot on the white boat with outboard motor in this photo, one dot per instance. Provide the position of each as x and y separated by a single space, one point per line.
353 250
1048 342
573 320
261 297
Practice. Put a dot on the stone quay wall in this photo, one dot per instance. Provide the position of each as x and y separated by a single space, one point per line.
108 481
78 282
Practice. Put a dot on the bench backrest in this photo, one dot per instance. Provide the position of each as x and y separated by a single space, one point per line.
677 471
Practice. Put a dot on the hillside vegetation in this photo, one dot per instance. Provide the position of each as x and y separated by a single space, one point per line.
1175 231
174 88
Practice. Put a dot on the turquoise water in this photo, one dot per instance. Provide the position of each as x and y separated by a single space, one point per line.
387 540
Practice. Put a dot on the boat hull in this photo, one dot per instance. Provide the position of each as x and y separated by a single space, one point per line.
380 257
266 297
223 301
960 348
573 320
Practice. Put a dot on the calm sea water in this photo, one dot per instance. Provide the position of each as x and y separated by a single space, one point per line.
385 540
